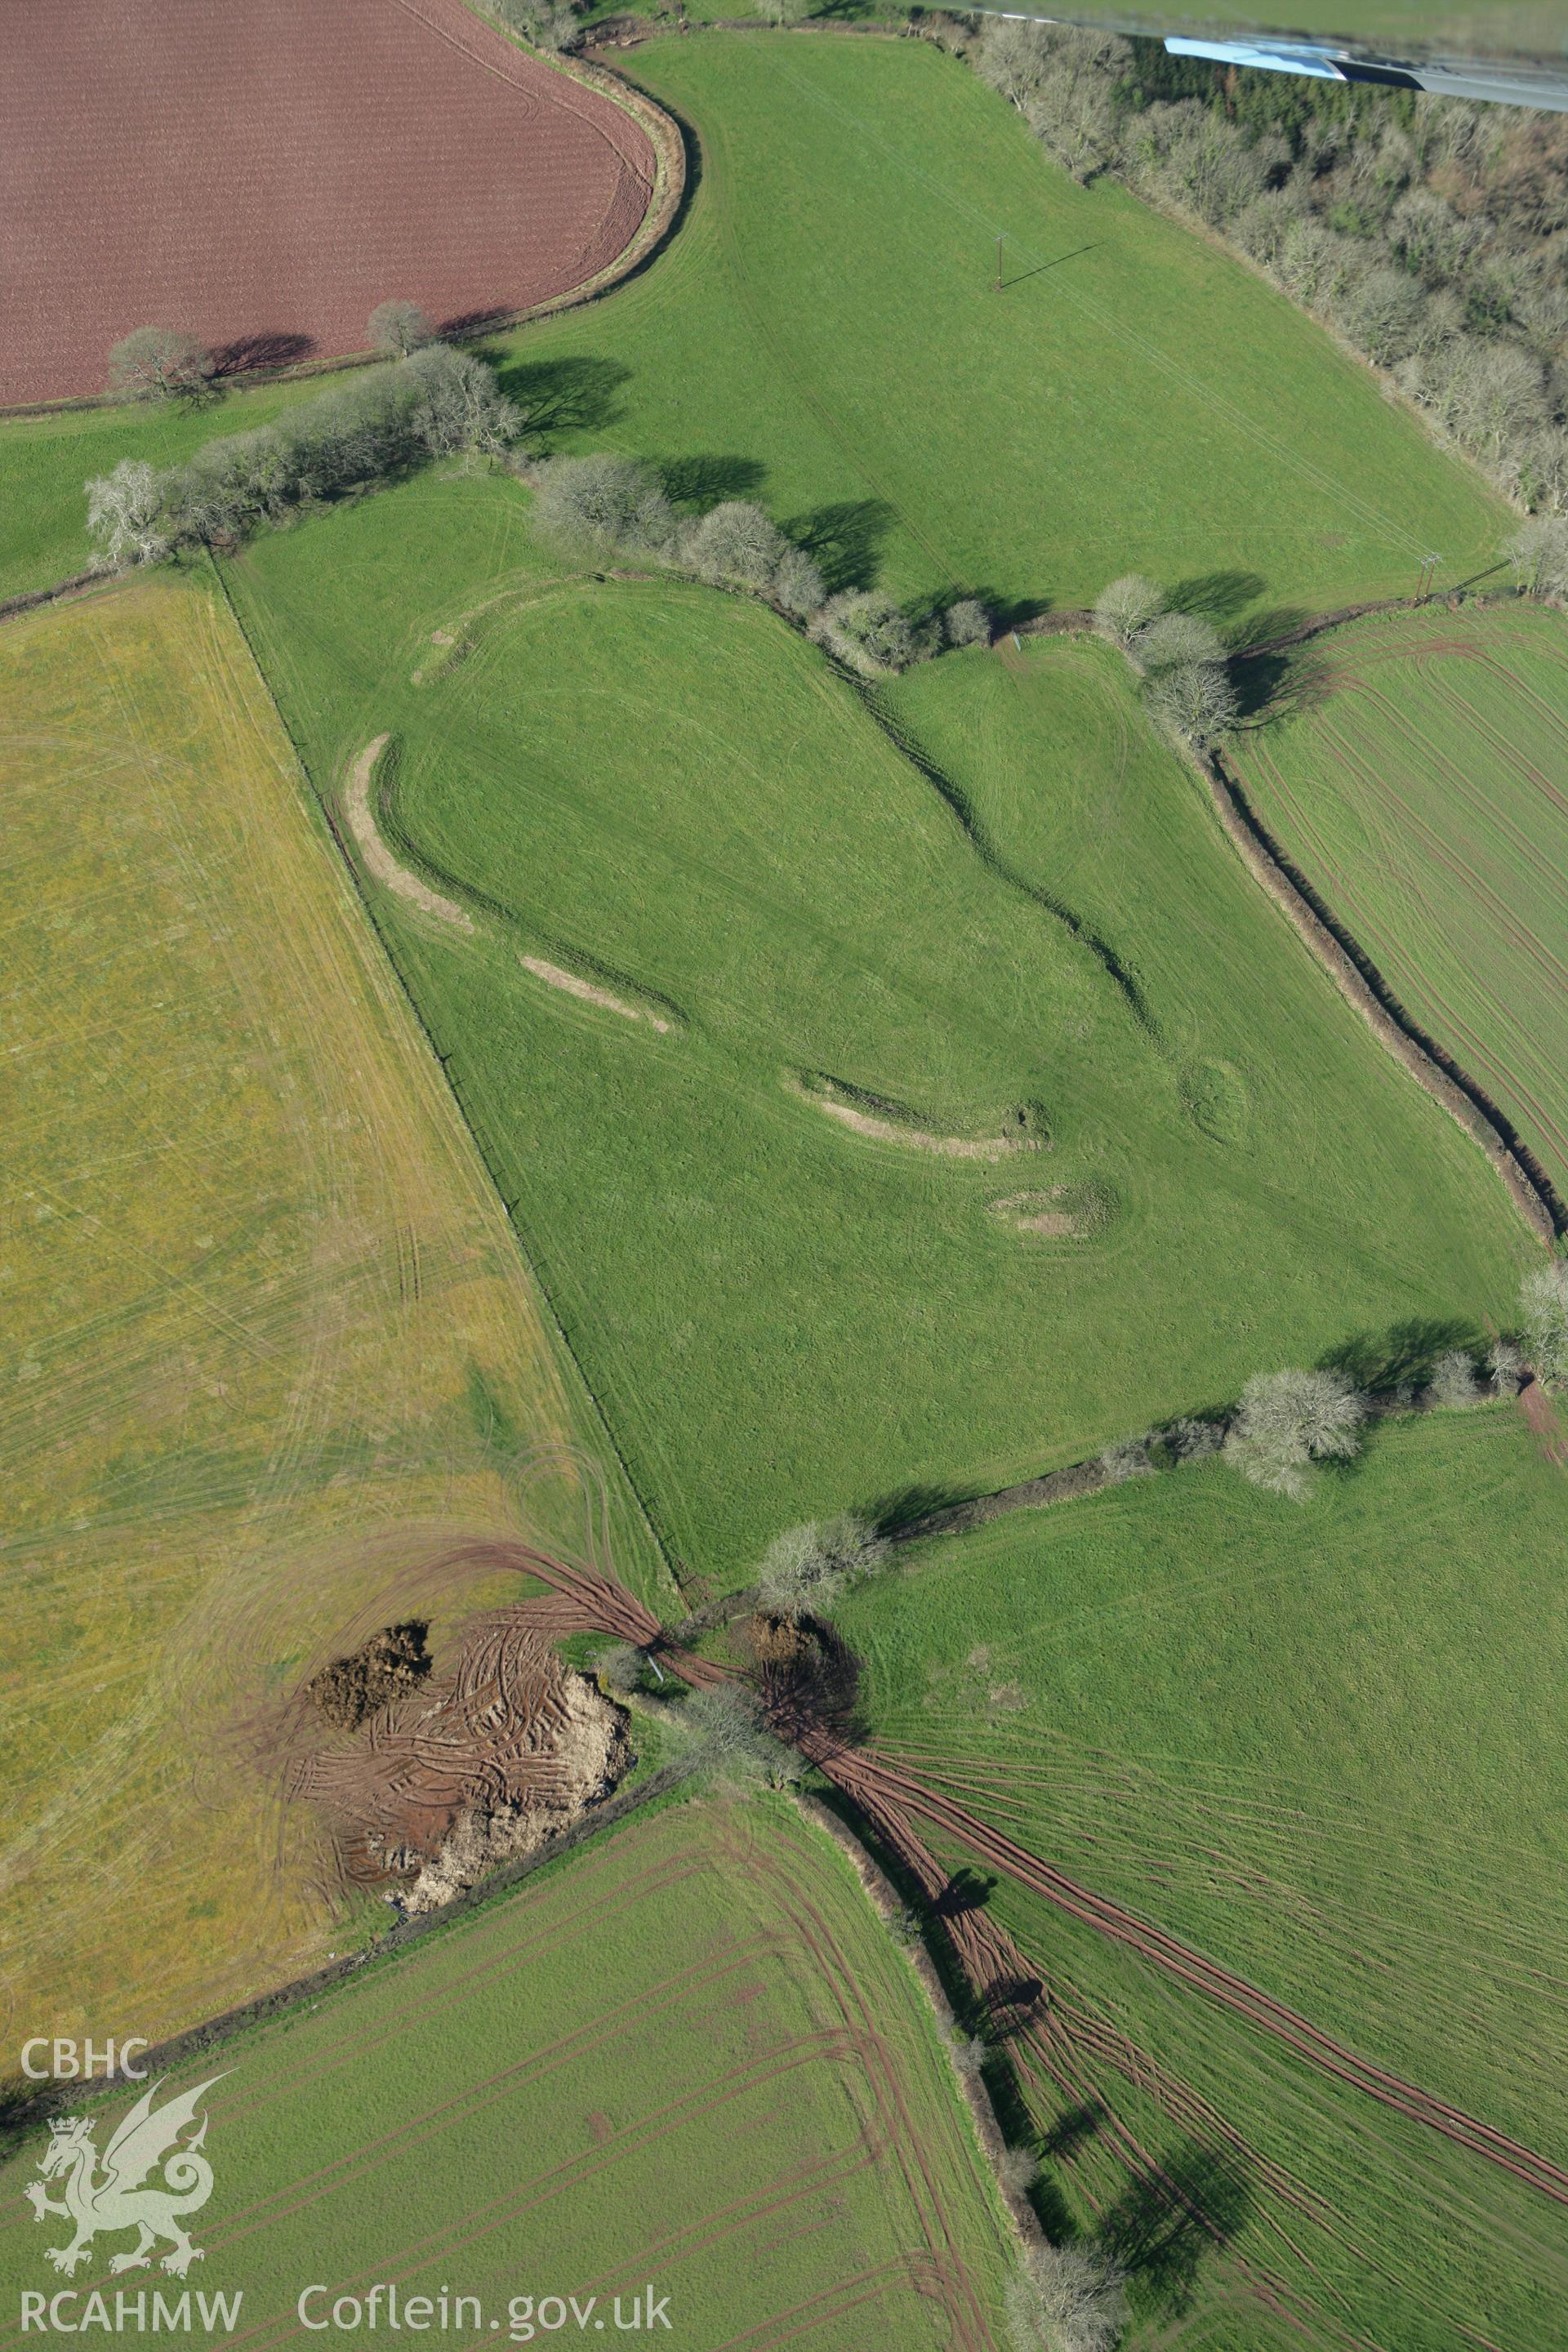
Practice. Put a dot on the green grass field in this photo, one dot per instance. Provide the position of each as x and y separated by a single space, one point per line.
1321 1745
822 332
668 786
897 1093
825 326
688 2060
1418 776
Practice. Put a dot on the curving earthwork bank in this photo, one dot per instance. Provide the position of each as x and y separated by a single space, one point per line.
572 984
888 1122
361 813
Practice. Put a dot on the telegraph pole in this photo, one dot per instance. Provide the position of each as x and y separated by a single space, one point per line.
997 287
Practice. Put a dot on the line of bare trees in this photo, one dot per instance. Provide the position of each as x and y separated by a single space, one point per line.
377 427
1178 656
616 508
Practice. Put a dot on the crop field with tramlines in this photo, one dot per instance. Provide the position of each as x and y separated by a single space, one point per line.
272 1351
1318 1746
689 2063
1418 774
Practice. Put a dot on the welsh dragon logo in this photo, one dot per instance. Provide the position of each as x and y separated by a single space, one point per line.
116 2197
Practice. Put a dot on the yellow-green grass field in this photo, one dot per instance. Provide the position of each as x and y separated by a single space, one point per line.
269 1347
1418 773
1322 1744
688 2061
667 790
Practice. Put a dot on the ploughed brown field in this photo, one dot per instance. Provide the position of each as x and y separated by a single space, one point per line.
263 175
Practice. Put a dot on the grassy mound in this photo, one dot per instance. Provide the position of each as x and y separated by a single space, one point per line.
1321 1746
668 783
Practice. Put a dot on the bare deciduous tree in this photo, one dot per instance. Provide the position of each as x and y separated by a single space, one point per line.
458 404
1454 1383
870 633
806 1569
1126 608
1538 554
797 585
967 623
399 328
734 544
160 363
1069 2299
1287 1421
730 1742
613 504
1175 641
619 1667
1195 700
967 2052
125 513
1543 1312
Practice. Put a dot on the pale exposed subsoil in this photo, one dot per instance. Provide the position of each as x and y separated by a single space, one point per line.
374 850
482 1764
554 976
1032 1212
889 1131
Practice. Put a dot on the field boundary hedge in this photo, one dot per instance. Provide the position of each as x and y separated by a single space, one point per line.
1335 947
1361 984
882 1896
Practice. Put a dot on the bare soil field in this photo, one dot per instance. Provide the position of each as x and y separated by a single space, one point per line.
263 177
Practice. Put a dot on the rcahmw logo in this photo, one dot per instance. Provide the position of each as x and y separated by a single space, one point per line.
149 2178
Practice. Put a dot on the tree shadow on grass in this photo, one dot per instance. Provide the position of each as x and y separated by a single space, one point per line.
571 394
1272 685
1384 1364
966 1890
845 541
703 482
1217 596
894 1515
1167 2219
1072 2130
